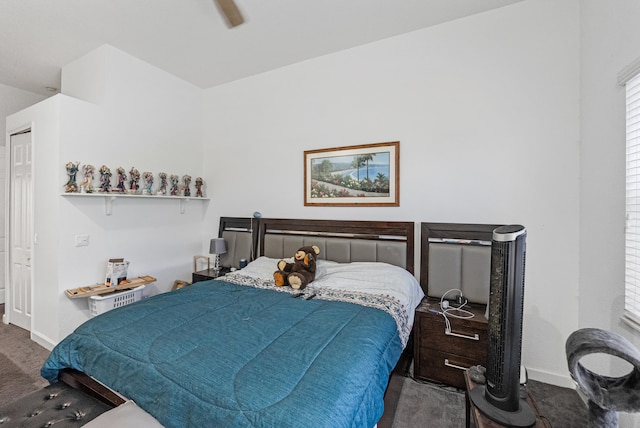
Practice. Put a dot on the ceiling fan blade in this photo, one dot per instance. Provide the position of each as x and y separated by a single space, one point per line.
230 12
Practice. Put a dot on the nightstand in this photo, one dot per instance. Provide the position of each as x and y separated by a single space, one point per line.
207 274
443 356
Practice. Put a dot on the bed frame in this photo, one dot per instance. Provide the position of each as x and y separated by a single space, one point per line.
342 241
456 256
241 236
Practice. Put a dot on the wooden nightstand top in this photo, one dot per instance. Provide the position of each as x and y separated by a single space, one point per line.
207 274
430 305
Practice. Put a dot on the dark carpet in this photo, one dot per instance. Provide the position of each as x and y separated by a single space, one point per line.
20 362
424 404
428 405
14 383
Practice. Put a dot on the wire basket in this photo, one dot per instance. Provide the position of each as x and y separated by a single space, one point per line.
101 304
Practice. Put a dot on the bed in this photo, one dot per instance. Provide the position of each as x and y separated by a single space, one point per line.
238 351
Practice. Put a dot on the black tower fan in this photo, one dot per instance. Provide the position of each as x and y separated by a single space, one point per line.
500 399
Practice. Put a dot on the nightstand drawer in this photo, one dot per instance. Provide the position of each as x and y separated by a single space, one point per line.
443 367
465 338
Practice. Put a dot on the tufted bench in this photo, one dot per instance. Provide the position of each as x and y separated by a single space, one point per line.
76 400
57 405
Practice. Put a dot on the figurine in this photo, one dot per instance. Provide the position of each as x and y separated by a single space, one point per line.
105 179
134 179
72 170
87 184
148 182
187 181
163 183
122 177
174 184
199 184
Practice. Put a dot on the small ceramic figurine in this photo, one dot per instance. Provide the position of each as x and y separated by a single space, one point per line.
163 183
122 178
87 184
148 182
134 180
105 179
187 181
199 183
174 184
72 170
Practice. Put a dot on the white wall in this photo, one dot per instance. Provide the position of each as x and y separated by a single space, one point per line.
610 40
11 100
486 110
146 119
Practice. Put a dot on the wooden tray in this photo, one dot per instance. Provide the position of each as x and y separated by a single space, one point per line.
92 290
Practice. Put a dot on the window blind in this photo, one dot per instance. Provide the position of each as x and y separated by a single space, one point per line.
632 234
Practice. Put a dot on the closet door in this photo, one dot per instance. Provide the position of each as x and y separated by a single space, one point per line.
20 233
3 220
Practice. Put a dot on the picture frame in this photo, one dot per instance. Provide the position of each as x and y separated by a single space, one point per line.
353 176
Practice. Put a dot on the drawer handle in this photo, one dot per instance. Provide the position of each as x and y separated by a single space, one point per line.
464 336
448 364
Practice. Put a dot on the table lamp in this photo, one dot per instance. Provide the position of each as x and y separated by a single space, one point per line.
216 247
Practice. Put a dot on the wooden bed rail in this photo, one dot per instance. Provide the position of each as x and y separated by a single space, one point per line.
90 386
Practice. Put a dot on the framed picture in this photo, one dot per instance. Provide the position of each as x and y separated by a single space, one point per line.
365 175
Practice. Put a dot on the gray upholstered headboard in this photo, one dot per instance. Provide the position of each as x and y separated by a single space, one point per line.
340 241
456 256
240 235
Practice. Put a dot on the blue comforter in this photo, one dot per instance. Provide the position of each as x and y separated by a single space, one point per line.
218 354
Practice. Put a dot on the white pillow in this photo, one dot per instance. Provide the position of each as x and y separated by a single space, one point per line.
373 278
264 267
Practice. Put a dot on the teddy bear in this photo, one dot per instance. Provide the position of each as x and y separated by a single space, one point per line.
299 273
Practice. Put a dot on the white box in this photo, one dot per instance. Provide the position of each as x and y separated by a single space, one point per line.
116 272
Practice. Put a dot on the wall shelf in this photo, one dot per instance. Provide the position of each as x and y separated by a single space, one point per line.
110 197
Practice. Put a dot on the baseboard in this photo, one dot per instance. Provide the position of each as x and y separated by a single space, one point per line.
564 381
42 340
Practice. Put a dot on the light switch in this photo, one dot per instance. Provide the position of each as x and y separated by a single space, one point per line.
82 240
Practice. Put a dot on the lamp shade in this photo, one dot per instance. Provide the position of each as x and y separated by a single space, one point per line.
217 246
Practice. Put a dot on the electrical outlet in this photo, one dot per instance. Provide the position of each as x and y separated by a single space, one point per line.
82 240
